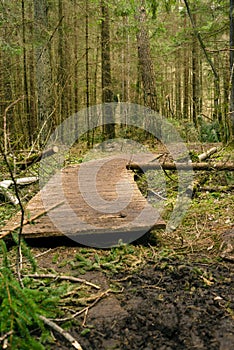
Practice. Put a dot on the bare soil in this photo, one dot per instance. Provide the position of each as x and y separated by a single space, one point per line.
168 304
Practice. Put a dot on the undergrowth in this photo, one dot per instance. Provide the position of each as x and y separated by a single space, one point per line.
20 308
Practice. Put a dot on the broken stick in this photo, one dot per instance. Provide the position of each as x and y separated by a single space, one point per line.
61 331
30 220
207 154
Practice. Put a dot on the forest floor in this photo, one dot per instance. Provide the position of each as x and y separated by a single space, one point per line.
169 291
164 299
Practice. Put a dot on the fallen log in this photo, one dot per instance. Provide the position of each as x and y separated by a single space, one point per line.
5 184
207 154
34 158
217 188
220 166
8 195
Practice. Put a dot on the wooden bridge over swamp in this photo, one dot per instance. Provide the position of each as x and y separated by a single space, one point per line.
96 203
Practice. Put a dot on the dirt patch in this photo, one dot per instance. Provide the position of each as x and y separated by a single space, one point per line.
168 305
171 307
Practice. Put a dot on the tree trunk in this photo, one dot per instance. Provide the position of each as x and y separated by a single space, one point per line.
43 73
208 59
32 82
195 78
25 74
75 53
61 78
87 68
178 84
186 81
232 69
147 74
107 94
145 61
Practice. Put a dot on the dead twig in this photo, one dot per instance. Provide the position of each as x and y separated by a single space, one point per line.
87 308
28 221
6 335
44 253
62 277
61 331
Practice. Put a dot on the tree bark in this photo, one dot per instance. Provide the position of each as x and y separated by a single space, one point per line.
195 79
145 61
87 68
231 121
25 74
208 59
43 73
186 83
183 166
147 73
107 94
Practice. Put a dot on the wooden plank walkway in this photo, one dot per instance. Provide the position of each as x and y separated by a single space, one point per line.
96 203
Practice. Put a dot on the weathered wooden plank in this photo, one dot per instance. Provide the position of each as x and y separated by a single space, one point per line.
85 192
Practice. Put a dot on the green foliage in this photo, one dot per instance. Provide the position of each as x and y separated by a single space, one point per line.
186 130
20 309
209 132
6 211
19 312
26 252
193 156
112 261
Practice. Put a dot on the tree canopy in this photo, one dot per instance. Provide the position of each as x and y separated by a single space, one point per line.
58 57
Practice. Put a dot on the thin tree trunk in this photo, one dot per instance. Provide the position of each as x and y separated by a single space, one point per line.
186 85
61 67
147 73
32 83
195 79
231 119
208 59
43 73
95 78
87 68
178 84
145 61
26 92
107 94
76 50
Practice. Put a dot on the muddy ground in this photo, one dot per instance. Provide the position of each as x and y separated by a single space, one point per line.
168 304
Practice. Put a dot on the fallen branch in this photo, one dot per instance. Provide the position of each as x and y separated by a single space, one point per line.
220 166
86 308
217 188
207 154
30 220
61 331
6 335
34 158
61 277
5 184
21 181
8 195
